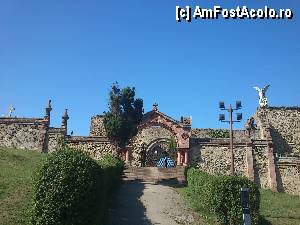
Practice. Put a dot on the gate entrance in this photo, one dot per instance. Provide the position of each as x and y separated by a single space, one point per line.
157 150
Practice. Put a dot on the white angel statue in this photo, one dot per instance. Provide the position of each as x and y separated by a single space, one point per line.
263 101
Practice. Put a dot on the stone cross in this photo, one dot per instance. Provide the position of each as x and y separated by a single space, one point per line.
155 107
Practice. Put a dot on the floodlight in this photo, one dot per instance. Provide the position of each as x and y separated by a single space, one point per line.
221 117
221 105
238 104
239 116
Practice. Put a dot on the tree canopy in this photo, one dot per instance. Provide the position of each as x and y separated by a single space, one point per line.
124 115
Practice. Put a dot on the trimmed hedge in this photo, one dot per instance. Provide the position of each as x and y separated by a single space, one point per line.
113 170
70 188
221 195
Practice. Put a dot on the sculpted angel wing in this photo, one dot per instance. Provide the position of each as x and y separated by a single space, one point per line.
265 88
257 88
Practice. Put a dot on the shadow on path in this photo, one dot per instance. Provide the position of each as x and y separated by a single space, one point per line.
127 208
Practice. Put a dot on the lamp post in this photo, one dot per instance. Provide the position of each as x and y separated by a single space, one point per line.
231 121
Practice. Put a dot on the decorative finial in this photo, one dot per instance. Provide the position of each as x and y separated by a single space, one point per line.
49 104
66 114
263 101
10 110
155 107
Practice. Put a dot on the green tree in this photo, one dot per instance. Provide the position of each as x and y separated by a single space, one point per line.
124 115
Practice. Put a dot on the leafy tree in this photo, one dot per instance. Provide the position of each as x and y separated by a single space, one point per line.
124 115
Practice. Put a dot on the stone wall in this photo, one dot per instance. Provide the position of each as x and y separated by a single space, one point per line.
289 180
215 158
97 126
23 133
261 166
147 136
238 135
55 138
96 147
285 129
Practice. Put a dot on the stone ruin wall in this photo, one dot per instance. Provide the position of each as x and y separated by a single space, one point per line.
285 127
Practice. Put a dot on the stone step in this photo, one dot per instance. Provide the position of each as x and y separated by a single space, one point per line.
153 174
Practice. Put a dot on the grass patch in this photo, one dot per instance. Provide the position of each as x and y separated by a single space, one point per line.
207 216
275 208
280 208
16 168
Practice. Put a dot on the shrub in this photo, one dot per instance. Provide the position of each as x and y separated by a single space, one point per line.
113 169
71 188
221 195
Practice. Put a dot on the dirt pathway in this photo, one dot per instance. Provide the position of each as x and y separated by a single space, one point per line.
139 203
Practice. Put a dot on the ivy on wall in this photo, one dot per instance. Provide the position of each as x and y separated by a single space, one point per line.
219 133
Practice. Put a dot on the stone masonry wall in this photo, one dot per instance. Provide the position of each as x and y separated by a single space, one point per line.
290 178
97 126
94 146
261 167
22 133
238 135
285 128
215 159
147 136
55 138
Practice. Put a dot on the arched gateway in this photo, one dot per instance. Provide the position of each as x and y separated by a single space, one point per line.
154 134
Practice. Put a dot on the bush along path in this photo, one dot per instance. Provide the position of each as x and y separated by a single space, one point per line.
218 197
70 188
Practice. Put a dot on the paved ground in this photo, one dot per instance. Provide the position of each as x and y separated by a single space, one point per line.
140 203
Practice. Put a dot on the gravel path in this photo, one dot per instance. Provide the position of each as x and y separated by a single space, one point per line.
141 203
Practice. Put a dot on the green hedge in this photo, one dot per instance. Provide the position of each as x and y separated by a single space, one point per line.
70 188
221 195
113 170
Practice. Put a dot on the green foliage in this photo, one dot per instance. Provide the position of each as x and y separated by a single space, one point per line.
70 188
113 169
125 113
219 133
221 195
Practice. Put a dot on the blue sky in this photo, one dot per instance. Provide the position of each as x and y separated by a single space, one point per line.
72 51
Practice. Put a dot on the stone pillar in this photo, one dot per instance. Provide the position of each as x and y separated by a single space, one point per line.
43 137
178 157
64 122
271 162
47 113
186 158
271 168
249 161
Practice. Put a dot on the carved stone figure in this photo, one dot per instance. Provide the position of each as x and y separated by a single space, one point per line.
10 110
263 101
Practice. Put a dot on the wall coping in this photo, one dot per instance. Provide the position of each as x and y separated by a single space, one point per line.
76 139
10 120
281 108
